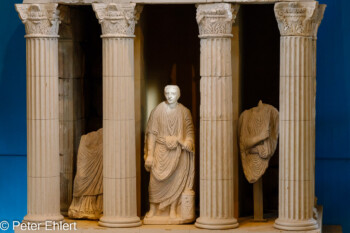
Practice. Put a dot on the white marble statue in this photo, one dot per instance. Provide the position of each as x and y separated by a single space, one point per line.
88 189
169 157
258 134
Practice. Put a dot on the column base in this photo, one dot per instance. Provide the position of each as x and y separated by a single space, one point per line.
216 224
35 218
119 222
296 225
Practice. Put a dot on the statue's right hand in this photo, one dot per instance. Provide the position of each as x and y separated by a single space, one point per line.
265 134
149 163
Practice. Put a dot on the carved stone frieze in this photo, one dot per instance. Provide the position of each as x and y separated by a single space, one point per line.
40 20
298 18
215 20
117 20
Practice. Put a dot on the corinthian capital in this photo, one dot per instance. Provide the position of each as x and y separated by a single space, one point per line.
40 20
297 18
317 19
117 20
215 20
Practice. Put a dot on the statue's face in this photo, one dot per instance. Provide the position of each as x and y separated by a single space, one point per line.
171 95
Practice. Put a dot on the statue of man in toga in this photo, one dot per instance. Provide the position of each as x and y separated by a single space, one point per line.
169 157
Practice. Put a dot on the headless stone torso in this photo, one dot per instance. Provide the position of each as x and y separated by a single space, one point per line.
258 134
88 188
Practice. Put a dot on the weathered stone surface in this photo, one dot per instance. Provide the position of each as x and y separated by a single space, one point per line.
298 23
119 155
258 134
78 2
169 157
88 189
216 117
41 22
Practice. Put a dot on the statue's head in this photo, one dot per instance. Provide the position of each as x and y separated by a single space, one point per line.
172 93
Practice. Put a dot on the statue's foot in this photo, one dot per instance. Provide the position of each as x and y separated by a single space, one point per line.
150 214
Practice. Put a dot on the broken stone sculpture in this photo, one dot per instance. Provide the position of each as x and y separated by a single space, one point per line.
88 188
258 134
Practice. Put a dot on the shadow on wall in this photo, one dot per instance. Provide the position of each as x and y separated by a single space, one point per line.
13 94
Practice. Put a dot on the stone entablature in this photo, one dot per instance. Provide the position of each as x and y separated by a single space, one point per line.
88 2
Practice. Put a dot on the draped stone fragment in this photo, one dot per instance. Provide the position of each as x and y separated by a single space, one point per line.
258 134
88 188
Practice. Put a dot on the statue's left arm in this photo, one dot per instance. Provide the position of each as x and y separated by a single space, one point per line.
150 141
189 132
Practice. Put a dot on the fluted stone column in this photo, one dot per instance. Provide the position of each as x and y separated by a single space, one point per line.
296 21
119 155
216 116
41 24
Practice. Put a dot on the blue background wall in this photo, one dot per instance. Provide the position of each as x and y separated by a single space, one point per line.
13 168
333 114
332 120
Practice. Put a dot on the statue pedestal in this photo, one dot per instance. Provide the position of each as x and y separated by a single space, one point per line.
165 220
245 225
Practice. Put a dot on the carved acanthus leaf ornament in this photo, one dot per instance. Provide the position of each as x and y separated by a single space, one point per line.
299 18
40 20
117 20
215 20
318 18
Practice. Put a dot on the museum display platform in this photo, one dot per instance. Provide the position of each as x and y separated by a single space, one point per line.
245 225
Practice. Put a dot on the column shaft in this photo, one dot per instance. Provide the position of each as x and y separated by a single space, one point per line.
119 148
119 171
42 113
216 137
216 122
297 116
42 129
297 127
